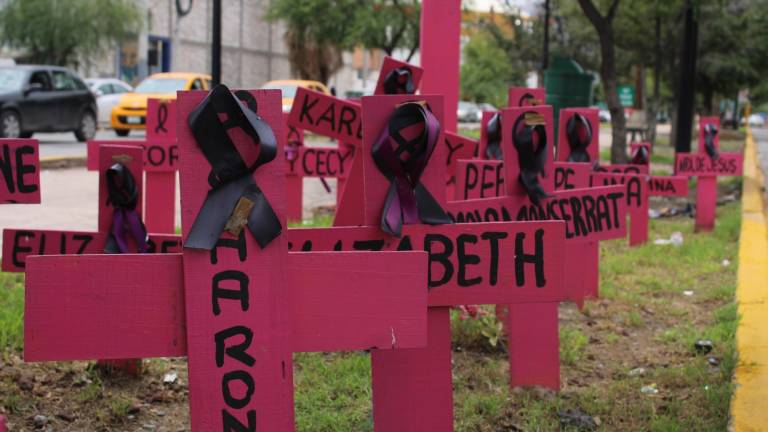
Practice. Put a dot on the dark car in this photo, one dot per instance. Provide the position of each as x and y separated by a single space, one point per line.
45 99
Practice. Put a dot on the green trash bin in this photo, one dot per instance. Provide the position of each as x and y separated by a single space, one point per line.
567 86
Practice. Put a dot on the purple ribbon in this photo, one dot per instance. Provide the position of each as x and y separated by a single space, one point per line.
122 194
403 161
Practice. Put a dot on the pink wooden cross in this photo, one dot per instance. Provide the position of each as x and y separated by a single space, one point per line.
708 168
19 243
237 311
469 264
19 171
161 161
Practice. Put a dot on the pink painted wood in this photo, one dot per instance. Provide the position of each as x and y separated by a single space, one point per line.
668 186
509 116
457 147
637 200
428 383
479 178
701 165
161 158
326 115
153 323
294 184
534 358
19 244
440 52
526 96
160 202
266 318
388 64
706 203
19 171
592 117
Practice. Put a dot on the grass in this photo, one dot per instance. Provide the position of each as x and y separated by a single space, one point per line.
641 320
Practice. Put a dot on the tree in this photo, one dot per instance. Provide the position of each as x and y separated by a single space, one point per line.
319 31
603 25
485 77
67 32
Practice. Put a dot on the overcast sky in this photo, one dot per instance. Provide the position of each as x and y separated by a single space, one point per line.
529 6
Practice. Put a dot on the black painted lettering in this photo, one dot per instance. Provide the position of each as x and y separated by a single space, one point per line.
304 114
238 244
232 424
465 259
240 293
493 239
236 351
346 116
243 377
536 258
440 258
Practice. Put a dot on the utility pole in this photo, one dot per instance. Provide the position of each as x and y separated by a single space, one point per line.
687 85
216 44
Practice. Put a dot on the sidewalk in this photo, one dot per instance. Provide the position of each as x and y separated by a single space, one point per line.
748 407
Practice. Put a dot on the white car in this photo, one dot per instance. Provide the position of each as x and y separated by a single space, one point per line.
107 92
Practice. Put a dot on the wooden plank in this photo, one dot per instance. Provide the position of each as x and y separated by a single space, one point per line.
412 388
637 200
484 263
19 244
706 203
326 115
534 356
590 214
591 115
161 151
19 171
509 116
131 157
668 186
456 147
241 271
572 175
70 316
440 53
479 178
321 162
389 64
160 202
698 164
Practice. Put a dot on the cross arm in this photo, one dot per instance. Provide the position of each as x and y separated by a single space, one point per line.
126 306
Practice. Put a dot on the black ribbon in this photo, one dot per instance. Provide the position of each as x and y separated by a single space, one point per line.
493 138
710 132
578 131
402 162
162 116
231 178
123 195
399 81
531 145
526 100
639 156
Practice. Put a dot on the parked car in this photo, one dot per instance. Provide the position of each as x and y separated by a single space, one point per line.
756 120
289 87
45 99
107 92
131 111
604 115
486 107
467 112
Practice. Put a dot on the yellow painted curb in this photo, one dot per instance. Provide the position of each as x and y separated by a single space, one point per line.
749 407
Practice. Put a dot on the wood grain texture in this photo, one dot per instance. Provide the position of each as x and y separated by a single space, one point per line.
19 171
266 312
469 263
412 388
511 162
18 244
593 118
376 307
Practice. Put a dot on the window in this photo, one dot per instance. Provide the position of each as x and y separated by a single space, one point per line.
197 85
106 89
118 89
42 78
63 81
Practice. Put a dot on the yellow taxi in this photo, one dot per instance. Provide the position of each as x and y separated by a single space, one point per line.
289 87
131 111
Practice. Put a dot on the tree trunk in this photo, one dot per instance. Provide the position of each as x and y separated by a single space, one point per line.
608 76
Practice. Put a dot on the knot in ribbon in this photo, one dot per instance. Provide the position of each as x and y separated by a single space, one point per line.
123 195
578 131
162 116
639 156
531 144
399 81
231 179
402 161
527 99
710 132
493 138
